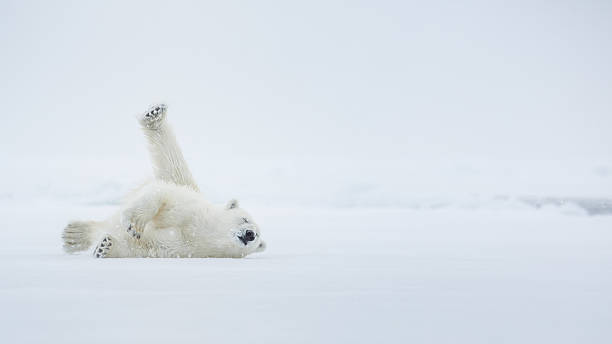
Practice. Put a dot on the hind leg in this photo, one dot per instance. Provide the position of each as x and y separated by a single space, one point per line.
168 161
78 235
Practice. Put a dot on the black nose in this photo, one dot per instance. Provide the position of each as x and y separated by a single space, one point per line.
248 236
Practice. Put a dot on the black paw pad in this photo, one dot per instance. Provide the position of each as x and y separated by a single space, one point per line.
103 249
134 233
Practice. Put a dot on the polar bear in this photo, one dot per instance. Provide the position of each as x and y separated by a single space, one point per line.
168 216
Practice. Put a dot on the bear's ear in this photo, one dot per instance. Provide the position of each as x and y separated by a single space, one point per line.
233 203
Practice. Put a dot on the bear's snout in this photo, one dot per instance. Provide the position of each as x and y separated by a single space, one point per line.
248 236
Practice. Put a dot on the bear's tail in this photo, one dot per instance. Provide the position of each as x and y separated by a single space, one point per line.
78 235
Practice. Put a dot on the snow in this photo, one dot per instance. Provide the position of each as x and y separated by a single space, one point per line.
330 275
431 172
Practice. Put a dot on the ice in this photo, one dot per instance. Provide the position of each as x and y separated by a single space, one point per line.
329 275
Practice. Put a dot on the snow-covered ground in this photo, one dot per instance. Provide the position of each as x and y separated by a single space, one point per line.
358 251
423 172
393 275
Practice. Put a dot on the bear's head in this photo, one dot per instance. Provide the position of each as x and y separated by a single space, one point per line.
243 229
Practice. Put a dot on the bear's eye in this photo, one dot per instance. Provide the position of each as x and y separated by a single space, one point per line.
245 220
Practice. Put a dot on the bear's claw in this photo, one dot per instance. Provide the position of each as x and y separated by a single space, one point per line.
104 247
153 118
134 233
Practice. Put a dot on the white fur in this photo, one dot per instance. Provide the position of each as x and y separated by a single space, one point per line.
168 217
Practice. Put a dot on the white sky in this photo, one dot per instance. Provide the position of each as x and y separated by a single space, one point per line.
405 80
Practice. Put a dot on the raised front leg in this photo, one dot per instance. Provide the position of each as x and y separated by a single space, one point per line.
168 162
